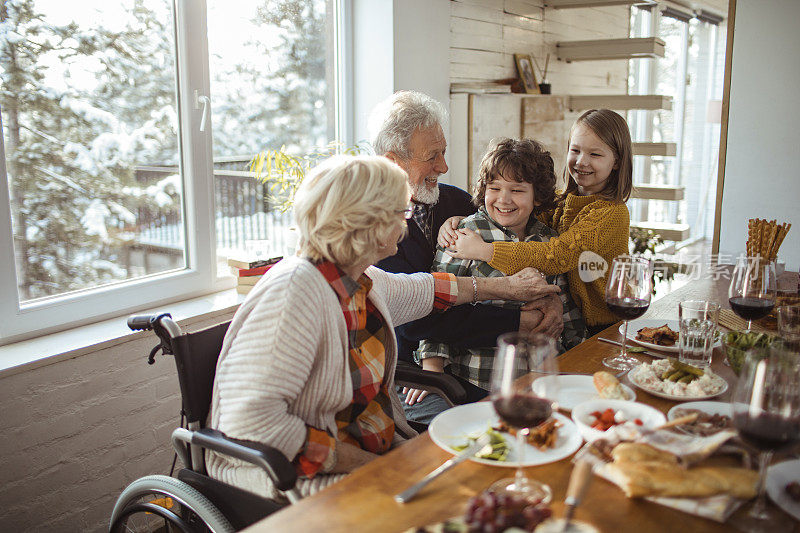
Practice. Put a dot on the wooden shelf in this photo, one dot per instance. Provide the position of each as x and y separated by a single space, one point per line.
657 192
620 101
567 4
638 47
655 149
668 231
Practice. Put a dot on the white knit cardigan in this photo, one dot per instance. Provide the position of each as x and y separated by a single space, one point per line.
284 364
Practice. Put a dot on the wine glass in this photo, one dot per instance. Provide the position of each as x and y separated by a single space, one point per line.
519 361
753 288
766 412
628 291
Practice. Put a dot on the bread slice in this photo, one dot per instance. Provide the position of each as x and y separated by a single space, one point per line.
636 452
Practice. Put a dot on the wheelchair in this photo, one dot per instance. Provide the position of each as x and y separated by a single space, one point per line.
193 501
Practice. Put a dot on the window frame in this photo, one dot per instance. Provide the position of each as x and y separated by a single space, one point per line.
20 321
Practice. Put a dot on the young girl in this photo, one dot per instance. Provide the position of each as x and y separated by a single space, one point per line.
515 181
590 217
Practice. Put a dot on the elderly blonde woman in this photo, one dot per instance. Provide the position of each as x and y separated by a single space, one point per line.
308 362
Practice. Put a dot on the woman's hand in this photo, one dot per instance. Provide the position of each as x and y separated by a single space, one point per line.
470 245
447 232
431 364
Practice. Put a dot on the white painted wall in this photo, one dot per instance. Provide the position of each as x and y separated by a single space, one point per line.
762 177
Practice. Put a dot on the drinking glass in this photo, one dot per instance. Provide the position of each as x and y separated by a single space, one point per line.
519 361
628 290
697 322
766 412
789 325
753 288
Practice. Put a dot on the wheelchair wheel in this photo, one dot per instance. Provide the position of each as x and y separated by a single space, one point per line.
163 503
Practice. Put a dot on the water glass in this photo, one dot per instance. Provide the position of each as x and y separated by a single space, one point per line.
698 327
789 325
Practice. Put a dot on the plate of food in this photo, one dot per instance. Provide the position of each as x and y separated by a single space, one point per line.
455 428
712 417
783 486
578 388
657 334
670 379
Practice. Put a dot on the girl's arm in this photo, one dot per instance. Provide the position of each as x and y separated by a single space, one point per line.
600 231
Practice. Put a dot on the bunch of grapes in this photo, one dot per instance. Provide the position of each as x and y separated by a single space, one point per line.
489 512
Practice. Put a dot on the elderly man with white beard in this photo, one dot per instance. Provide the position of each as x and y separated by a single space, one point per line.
408 128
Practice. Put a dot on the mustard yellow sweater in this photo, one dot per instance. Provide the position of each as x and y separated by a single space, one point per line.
583 223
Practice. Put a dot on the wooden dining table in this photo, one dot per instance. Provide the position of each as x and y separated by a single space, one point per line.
364 500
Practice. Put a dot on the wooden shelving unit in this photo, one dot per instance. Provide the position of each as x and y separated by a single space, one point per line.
620 101
633 48
655 149
668 231
568 4
657 192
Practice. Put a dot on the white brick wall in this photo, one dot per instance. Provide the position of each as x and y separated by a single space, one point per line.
76 432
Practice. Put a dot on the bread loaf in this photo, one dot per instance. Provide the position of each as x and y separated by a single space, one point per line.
609 386
661 479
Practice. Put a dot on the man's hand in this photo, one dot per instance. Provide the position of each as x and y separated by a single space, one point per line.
552 310
447 232
528 321
470 245
432 364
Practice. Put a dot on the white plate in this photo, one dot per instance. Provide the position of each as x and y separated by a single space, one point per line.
635 325
451 428
675 397
711 408
574 389
778 476
581 415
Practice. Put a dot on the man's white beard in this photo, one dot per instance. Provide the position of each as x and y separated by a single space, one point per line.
422 194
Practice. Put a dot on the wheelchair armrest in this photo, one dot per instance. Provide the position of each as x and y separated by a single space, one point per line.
276 465
410 375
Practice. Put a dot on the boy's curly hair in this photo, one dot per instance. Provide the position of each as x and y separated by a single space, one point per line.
523 160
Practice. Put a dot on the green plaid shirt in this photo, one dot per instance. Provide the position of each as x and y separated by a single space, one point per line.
475 364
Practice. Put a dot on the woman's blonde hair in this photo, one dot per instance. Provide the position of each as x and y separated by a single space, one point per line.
347 207
612 129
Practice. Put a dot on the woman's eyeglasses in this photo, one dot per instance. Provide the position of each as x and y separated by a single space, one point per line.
408 212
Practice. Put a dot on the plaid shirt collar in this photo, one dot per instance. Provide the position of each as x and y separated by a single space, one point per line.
343 285
534 225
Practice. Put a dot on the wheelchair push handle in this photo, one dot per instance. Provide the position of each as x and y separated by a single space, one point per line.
145 322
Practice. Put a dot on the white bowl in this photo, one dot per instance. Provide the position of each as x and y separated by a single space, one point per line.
581 415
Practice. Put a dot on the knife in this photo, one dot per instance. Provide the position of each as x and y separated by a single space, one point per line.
578 482
465 454
645 352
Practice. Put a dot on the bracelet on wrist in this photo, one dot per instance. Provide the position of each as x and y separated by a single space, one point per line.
474 291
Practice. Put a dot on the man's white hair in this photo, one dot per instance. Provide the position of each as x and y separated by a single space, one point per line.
395 119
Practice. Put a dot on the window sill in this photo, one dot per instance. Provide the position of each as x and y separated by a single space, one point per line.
48 349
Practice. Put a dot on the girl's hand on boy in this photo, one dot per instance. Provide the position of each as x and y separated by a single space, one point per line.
447 232
470 245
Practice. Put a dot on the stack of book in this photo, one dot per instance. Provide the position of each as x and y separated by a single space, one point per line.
248 272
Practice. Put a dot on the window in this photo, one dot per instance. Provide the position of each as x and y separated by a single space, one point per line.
114 196
691 73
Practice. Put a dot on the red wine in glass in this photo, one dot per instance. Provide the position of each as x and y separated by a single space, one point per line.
627 308
628 292
523 410
767 432
751 308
